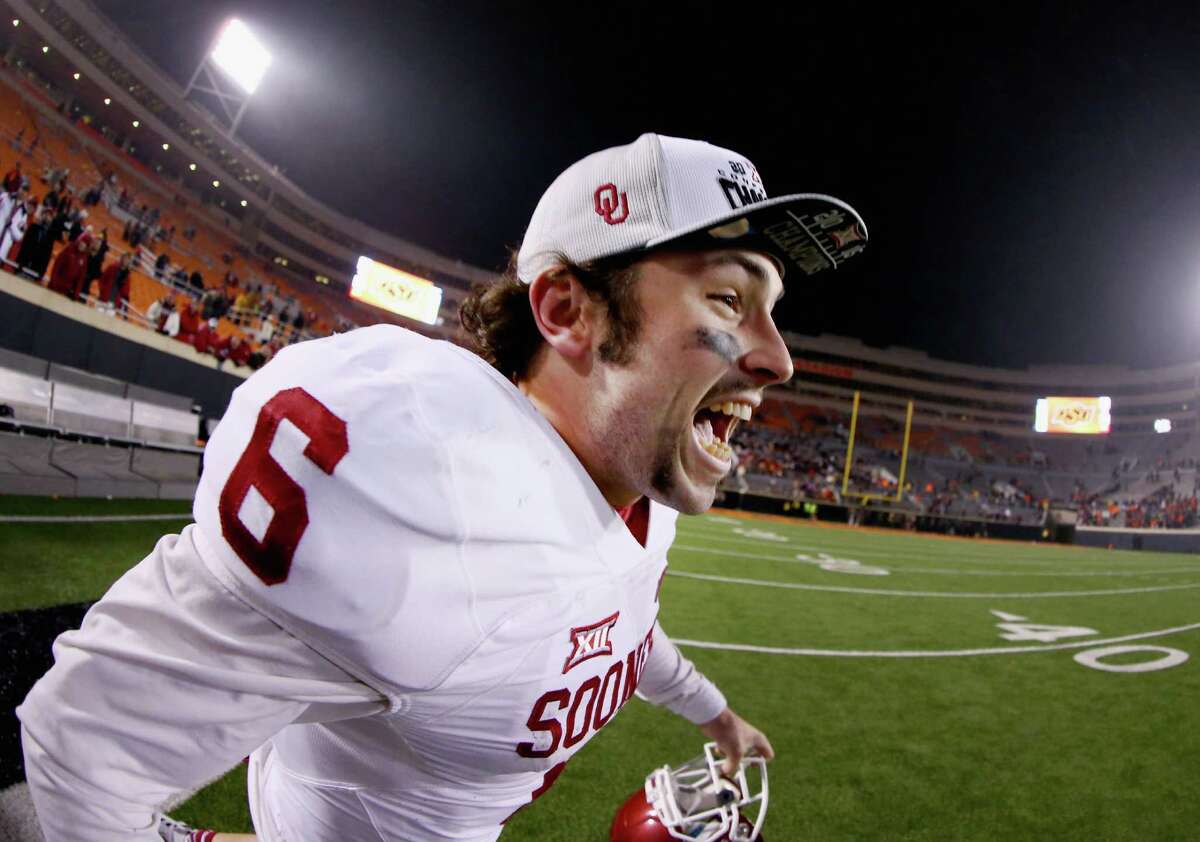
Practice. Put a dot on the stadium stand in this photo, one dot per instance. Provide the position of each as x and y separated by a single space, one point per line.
232 273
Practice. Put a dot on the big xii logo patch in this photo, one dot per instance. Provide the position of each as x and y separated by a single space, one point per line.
822 237
591 641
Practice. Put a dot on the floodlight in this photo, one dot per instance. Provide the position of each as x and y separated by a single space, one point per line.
1162 425
76 77
192 167
244 203
216 183
16 22
45 49
241 55
166 146
107 101
136 123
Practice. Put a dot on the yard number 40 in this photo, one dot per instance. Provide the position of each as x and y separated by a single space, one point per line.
1018 629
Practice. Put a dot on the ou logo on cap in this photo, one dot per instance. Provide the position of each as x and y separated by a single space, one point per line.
606 201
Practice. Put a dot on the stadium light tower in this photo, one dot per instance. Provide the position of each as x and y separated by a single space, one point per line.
242 61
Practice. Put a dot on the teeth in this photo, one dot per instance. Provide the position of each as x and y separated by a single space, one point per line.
719 449
737 410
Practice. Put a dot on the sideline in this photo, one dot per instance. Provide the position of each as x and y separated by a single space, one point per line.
881 530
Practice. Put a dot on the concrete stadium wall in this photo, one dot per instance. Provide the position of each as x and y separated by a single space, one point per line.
1156 540
36 328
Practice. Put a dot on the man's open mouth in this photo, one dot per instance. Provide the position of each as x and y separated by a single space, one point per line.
715 425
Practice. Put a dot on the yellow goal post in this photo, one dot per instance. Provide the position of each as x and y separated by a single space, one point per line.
898 496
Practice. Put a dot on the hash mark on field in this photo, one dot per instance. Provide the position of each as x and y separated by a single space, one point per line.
1012 618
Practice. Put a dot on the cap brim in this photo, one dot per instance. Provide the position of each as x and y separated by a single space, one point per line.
808 231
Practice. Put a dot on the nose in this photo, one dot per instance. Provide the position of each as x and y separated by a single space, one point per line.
768 359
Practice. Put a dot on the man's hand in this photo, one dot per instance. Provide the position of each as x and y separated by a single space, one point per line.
736 738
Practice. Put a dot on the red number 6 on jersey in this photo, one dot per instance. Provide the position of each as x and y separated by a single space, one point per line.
271 558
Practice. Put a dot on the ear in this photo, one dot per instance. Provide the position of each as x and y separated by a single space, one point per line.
563 312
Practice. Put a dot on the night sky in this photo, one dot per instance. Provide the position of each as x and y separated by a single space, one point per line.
1030 177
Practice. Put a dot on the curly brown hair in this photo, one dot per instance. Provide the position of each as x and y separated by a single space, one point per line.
498 319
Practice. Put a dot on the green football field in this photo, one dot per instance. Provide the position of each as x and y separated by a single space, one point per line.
913 687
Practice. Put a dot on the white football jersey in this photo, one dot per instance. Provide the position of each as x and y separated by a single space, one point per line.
397 510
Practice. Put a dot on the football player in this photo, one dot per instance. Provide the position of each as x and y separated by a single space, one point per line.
420 578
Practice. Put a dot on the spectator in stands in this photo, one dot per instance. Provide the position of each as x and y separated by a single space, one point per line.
189 322
258 358
96 257
93 196
114 285
205 338
36 244
14 231
157 312
241 307
160 266
173 321
13 178
75 219
239 351
9 202
70 268
197 281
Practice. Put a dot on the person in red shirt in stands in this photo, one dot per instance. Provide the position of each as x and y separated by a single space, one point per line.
70 267
189 322
206 339
13 178
114 283
239 350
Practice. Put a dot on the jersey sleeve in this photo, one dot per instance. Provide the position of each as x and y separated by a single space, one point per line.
337 493
672 681
169 683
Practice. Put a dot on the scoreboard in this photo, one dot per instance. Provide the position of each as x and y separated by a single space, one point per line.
396 291
1077 416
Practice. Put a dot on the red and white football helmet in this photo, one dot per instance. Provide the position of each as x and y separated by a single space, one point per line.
695 802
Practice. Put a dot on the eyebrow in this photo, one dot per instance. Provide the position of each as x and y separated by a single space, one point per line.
753 269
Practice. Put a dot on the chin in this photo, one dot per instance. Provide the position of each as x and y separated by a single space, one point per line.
686 501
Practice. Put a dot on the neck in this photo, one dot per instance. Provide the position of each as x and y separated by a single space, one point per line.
563 398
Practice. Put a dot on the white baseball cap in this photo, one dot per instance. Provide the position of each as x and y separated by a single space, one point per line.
660 191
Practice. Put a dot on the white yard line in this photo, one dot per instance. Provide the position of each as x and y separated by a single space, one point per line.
917 653
900 568
733 580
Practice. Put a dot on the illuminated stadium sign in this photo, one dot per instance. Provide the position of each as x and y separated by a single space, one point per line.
395 291
1081 416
